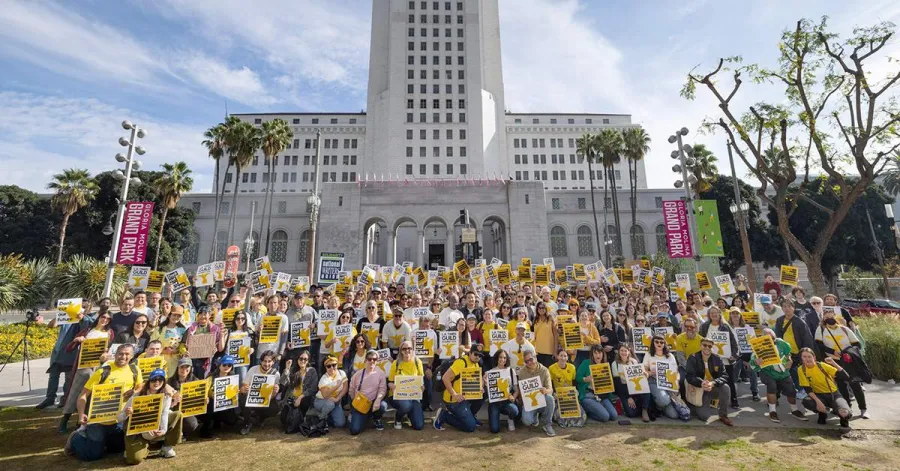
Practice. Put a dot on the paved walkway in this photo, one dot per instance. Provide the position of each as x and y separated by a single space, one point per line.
883 401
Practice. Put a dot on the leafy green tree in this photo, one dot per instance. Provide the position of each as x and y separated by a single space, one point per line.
837 119
704 170
587 148
637 145
72 189
174 182
610 147
27 223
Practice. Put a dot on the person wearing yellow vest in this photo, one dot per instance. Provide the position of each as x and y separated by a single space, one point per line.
406 364
794 331
820 381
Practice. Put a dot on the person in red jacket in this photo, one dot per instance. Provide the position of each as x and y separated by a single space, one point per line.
771 284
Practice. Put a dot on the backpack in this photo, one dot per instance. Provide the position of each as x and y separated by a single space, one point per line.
438 382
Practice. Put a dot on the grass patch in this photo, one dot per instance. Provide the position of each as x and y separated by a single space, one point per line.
733 444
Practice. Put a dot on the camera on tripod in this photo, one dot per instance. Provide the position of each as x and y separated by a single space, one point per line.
31 315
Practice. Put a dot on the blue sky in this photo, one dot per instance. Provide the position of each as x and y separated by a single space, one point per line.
73 70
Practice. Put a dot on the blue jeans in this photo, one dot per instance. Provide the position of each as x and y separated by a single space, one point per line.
357 420
334 412
410 408
662 400
506 408
641 402
53 381
546 413
461 415
601 410
426 395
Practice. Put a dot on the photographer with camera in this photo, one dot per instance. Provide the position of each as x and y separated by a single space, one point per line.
61 359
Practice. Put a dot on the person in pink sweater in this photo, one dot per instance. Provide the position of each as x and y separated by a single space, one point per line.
371 383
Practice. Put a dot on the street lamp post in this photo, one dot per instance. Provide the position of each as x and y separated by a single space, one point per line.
314 202
879 254
249 241
126 179
686 182
738 209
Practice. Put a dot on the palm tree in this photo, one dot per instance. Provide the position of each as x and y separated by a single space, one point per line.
242 140
586 146
891 182
215 146
610 145
704 169
174 182
276 136
73 188
637 145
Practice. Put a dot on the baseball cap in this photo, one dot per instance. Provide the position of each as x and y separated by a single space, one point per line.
227 360
376 289
185 362
157 373
520 325
471 316
298 295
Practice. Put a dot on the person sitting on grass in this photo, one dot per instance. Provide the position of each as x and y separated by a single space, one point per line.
184 373
256 415
367 392
137 447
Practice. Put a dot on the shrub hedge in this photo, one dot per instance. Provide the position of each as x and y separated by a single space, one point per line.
882 338
40 341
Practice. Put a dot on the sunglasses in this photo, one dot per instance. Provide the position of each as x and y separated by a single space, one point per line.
154 380
659 342
405 349
706 345
241 318
303 359
227 366
140 322
234 302
372 359
360 342
328 367
370 307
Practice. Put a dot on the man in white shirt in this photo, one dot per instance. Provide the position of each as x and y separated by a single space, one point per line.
396 332
516 347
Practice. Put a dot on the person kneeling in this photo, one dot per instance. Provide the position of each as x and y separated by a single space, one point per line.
820 381
706 371
137 447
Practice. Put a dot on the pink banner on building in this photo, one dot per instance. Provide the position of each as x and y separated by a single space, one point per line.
135 235
678 233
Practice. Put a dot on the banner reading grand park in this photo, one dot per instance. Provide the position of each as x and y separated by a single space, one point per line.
135 234
678 234
709 233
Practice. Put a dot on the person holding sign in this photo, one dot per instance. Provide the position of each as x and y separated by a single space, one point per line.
275 338
406 364
301 392
777 378
533 369
170 332
229 416
820 381
62 359
517 348
100 329
86 445
237 330
203 326
459 412
506 386
795 332
333 344
137 446
367 390
840 343
184 373
632 404
669 402
715 323
256 415
597 404
736 320
546 340
706 371
395 333
562 374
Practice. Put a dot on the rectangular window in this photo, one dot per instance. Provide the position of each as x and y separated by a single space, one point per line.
410 74
228 177
354 143
422 168
449 134
462 134
562 173
245 178
553 143
556 175
582 203
352 160
284 177
518 174
554 203
435 151
518 159
409 117
516 144
462 89
462 151
195 206
525 159
409 169
340 200
462 169
605 120
346 160
449 169
315 120
411 32
305 176
294 160
449 152
436 169
588 121
345 177
658 202
409 134
421 134
421 152
225 207
352 176
462 117
573 174
293 177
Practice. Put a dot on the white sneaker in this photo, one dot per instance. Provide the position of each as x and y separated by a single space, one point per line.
167 452
511 425
548 429
398 425
864 414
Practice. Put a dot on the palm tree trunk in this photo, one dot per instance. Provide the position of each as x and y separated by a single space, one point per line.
270 188
269 217
606 214
162 224
615 204
219 198
62 237
594 207
633 202
233 208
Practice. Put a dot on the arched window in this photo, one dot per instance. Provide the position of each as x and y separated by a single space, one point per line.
558 247
254 251
585 242
191 253
612 235
304 246
278 247
221 246
661 239
638 247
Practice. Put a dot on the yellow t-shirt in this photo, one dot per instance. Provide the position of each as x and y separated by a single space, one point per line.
486 328
813 377
117 375
544 333
686 345
706 374
457 367
562 377
789 338
405 368
511 328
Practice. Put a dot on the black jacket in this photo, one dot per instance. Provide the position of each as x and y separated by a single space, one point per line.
802 335
695 372
722 327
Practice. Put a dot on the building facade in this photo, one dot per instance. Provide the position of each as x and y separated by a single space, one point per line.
435 139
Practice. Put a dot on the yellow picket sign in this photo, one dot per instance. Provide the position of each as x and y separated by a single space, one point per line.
790 275
703 283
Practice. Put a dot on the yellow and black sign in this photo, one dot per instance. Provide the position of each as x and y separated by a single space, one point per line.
524 273
470 383
645 264
560 276
270 328
194 397
91 351
601 378
567 402
462 268
703 283
504 274
147 365
146 414
572 336
627 276
580 273
155 281
764 348
790 275
542 275
106 400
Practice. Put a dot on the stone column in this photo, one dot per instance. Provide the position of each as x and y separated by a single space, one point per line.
449 250
420 244
392 248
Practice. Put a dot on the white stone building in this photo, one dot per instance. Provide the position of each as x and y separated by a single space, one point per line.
435 139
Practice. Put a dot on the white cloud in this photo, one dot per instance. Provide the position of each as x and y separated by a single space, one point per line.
241 84
41 135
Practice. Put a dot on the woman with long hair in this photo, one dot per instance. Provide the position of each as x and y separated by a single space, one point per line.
137 447
169 333
300 394
240 329
546 338
832 338
507 406
632 404
736 319
99 329
668 402
597 406
590 336
138 334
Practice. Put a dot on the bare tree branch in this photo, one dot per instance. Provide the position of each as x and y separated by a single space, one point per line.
737 85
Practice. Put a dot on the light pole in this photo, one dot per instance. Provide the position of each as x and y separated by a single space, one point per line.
880 254
126 179
738 209
249 241
313 201
686 182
